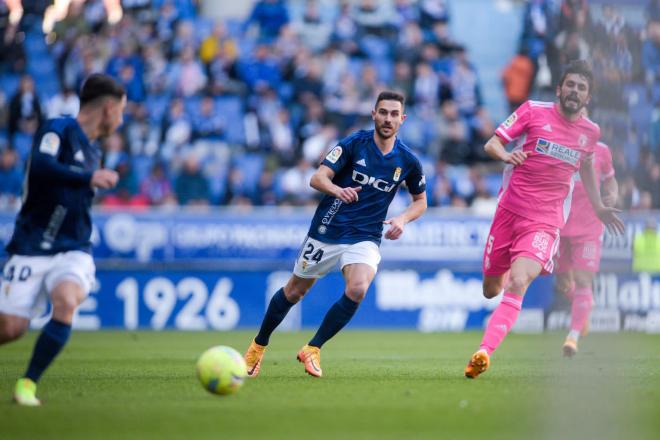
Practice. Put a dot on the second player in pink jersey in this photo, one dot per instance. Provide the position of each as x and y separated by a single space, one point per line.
553 141
578 259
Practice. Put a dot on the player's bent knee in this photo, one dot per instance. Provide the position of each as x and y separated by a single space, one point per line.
357 291
64 304
518 283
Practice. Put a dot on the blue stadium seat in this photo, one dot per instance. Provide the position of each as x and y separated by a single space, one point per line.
375 47
157 106
412 131
251 165
231 108
23 144
9 84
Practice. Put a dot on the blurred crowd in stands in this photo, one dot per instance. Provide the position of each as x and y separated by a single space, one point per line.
239 112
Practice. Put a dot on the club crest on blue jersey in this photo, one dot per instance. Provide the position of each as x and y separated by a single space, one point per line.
397 174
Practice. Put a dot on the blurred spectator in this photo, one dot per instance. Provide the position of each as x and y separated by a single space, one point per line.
261 71
207 122
316 146
269 16
517 78
142 136
574 15
218 42
311 30
374 17
295 184
176 129
12 51
426 88
24 109
11 179
651 53
403 80
191 186
452 145
238 192
265 193
433 11
125 194
282 137
345 31
65 103
464 85
156 187
187 74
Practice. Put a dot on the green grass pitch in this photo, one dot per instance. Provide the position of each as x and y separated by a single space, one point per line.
377 385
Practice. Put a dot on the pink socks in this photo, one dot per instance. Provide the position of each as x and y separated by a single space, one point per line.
501 321
581 308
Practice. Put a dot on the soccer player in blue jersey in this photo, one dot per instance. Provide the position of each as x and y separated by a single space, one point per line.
50 250
359 178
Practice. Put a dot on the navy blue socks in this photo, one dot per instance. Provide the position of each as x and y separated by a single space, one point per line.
337 317
53 337
278 307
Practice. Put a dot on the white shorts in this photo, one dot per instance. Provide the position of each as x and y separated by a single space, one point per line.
317 258
28 280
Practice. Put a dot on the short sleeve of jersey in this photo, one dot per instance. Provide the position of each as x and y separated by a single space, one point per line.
49 143
339 155
607 168
516 124
415 180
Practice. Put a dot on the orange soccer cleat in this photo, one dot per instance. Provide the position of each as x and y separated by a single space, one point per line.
570 347
478 364
311 357
253 357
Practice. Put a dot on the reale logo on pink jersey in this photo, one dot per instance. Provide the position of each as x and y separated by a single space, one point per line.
557 151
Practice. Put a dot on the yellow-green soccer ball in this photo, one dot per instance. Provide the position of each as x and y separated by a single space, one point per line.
221 370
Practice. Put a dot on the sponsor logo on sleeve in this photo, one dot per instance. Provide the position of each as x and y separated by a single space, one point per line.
334 155
50 144
557 151
510 120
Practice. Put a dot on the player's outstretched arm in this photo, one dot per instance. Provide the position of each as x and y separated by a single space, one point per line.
413 212
48 169
322 181
495 149
610 191
606 214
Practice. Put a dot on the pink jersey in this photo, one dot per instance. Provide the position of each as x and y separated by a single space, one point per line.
582 221
540 189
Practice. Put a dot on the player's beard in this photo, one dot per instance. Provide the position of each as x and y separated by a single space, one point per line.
563 101
381 134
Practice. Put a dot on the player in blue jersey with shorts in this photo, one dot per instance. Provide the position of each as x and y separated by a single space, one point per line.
50 250
359 178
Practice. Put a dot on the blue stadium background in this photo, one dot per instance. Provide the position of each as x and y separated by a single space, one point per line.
232 105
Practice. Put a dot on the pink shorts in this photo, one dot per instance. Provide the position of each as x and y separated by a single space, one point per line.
512 236
579 253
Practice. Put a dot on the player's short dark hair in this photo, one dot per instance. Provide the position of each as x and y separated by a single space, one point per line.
390 96
582 68
100 85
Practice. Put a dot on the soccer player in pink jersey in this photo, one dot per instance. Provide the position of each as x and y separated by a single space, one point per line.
578 259
553 141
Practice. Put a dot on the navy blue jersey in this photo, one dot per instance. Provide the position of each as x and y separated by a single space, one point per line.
57 195
357 161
